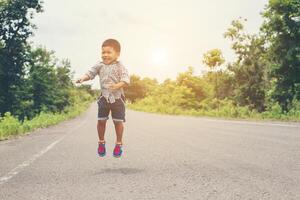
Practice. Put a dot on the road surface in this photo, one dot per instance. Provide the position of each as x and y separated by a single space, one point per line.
165 157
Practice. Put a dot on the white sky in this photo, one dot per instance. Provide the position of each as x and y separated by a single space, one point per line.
159 38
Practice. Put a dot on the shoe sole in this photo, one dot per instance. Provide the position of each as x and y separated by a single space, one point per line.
117 156
102 155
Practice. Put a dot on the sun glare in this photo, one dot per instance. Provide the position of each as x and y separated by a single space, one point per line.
159 56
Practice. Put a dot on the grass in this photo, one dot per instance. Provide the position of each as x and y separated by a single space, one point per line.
226 110
11 126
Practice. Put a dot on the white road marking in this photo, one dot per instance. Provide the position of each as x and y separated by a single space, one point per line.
27 163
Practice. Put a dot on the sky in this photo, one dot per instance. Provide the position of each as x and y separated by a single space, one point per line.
159 38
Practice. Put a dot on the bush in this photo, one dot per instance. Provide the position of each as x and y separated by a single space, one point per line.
10 125
214 108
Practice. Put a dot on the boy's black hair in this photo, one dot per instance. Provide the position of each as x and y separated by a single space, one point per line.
112 43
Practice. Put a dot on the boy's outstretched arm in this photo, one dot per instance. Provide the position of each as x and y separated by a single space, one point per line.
85 77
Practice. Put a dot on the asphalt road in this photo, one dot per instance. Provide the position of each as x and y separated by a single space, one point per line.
165 157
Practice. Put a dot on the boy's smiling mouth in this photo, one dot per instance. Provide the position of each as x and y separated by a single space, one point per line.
106 60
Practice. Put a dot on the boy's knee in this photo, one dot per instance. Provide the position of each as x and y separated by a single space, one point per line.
118 122
101 122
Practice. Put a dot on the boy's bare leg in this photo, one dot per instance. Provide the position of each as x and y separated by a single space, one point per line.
101 125
119 131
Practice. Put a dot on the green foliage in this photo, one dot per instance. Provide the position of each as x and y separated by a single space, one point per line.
262 83
45 85
10 125
274 111
168 98
42 80
139 88
15 28
34 87
294 110
225 108
201 88
179 97
249 70
281 30
48 82
136 89
213 58
224 88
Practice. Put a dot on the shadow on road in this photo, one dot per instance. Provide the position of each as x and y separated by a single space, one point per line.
120 171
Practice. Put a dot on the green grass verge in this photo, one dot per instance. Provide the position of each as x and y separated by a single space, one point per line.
226 110
11 126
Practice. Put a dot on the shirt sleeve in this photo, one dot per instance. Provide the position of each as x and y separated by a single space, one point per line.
124 75
93 71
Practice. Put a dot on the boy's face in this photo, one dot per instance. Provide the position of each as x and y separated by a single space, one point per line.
109 55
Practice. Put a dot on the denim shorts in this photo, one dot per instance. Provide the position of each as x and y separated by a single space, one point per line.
117 109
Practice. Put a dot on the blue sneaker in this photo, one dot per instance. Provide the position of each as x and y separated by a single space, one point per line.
101 149
118 151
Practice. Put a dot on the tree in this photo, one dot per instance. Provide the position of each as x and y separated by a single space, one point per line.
225 83
213 59
49 83
249 69
136 89
169 97
199 87
149 85
64 74
281 31
15 28
43 83
64 83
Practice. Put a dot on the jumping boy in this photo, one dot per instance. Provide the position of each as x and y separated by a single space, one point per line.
113 77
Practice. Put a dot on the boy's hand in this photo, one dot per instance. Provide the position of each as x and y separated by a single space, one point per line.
116 86
83 78
79 80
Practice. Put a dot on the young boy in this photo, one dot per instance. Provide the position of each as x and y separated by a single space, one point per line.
113 77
